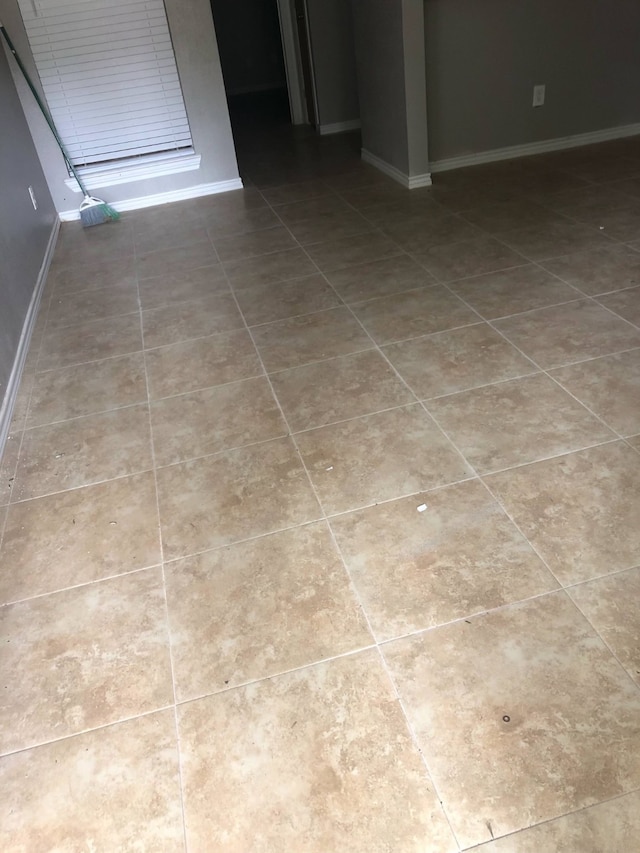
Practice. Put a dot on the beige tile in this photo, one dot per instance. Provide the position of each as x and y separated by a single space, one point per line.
176 260
265 303
378 192
191 365
259 608
620 224
79 536
407 208
241 246
91 341
148 220
456 360
635 442
626 303
314 337
612 827
214 419
94 655
290 193
347 251
599 270
93 246
279 266
182 286
174 323
86 389
117 272
594 198
378 457
580 511
417 569
21 402
469 257
611 605
222 223
329 226
331 762
232 496
230 202
379 278
86 450
506 216
553 239
335 390
414 313
419 233
114 789
609 386
556 715
174 234
568 333
512 291
516 422
68 309
8 465
312 207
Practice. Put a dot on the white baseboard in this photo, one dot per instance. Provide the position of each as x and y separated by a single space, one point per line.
164 198
9 399
411 182
513 151
339 127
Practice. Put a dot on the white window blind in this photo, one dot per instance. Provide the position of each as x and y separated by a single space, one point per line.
109 76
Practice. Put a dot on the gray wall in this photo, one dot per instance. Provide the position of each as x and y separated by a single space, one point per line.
380 69
334 60
483 59
198 61
250 44
390 62
24 232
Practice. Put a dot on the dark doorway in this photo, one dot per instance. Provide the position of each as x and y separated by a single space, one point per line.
252 59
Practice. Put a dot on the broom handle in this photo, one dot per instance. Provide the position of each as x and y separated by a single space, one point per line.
43 109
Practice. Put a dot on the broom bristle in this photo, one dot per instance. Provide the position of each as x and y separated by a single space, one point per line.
97 213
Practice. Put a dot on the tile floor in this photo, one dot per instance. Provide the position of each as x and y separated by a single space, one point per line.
321 519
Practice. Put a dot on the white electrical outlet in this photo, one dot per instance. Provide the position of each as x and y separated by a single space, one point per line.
32 195
538 95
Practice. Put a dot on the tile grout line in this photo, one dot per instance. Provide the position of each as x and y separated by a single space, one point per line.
44 303
500 504
83 732
356 593
325 518
164 579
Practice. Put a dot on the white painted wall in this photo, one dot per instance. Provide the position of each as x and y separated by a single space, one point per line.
196 50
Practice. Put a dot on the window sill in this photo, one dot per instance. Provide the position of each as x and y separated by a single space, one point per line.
95 177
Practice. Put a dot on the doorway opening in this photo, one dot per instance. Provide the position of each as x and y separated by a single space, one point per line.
268 74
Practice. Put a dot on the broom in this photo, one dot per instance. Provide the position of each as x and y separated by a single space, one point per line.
93 211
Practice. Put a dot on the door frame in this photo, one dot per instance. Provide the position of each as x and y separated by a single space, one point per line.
293 71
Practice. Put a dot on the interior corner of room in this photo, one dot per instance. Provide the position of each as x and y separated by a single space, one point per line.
431 84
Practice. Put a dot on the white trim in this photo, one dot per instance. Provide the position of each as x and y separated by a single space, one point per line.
95 177
339 127
9 400
528 149
291 63
410 182
164 198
